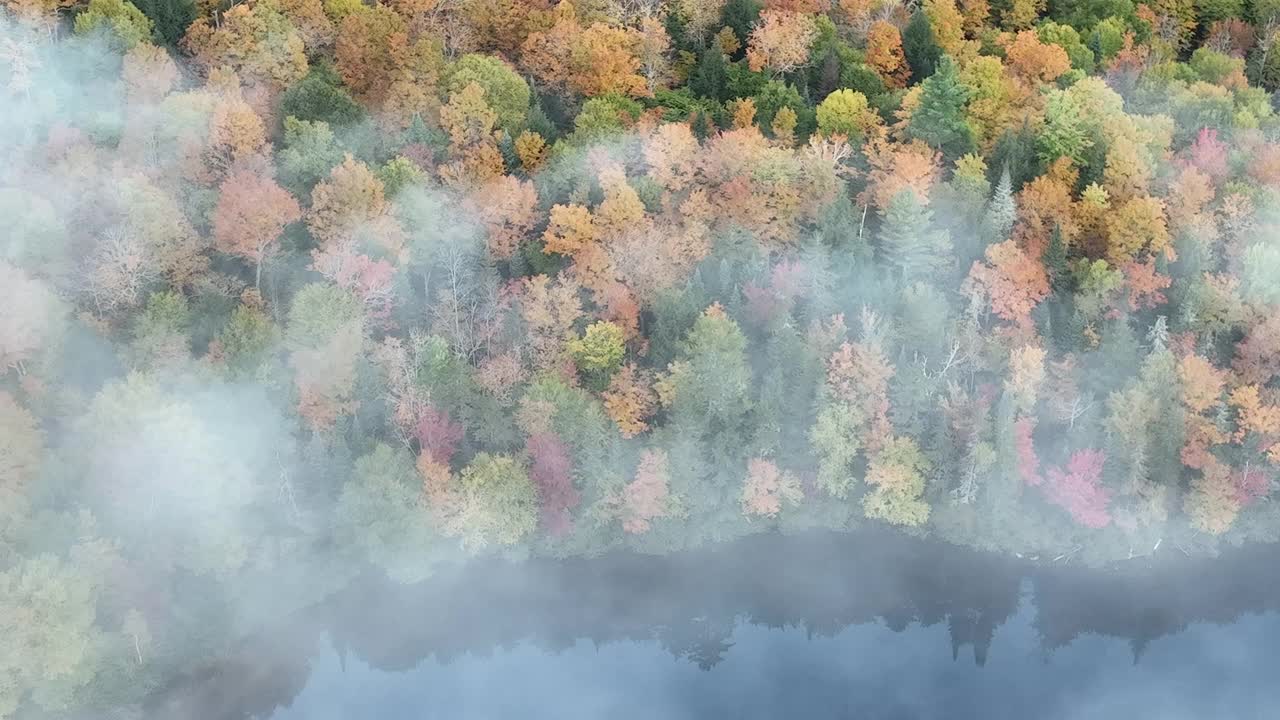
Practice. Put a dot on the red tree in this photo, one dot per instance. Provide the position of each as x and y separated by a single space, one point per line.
252 211
1078 490
438 434
1250 484
1208 154
551 470
373 281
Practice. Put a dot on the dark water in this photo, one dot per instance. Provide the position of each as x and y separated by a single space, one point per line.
818 626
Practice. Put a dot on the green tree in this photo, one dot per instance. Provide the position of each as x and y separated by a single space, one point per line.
741 16
398 173
776 95
505 91
37 233
125 23
1265 11
318 312
836 438
171 18
1107 38
161 330
599 351
710 77
247 339
320 97
910 241
604 116
1065 132
1266 62
1085 14
920 46
1066 37
310 153
710 386
1209 12
499 505
48 612
379 515
1001 210
940 118
1015 151
179 478
844 112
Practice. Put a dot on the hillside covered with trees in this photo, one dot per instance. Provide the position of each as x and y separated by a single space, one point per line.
289 287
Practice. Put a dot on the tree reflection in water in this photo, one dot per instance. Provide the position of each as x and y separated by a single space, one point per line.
692 603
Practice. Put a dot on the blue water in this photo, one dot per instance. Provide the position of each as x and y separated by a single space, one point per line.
1205 671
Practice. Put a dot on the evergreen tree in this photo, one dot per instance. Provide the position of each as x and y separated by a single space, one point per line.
920 46
940 119
1055 262
700 125
909 240
1015 151
709 79
675 27
170 18
1001 210
741 16
841 225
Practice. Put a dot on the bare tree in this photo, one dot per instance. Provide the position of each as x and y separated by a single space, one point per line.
118 271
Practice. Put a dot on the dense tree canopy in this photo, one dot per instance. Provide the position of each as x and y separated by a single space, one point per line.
294 287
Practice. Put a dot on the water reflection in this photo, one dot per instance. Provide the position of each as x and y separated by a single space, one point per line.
767 605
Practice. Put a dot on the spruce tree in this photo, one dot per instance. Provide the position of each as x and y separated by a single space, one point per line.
910 242
940 119
170 18
920 47
1016 151
1001 210
1055 261
710 77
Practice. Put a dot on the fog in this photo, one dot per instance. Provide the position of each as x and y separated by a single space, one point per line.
717 425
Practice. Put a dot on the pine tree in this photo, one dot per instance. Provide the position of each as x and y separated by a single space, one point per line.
1055 261
1016 151
940 119
170 17
1001 210
920 46
910 241
710 77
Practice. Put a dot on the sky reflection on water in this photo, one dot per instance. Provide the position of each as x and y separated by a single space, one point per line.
863 671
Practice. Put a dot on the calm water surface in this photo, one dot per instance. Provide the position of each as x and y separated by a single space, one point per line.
819 626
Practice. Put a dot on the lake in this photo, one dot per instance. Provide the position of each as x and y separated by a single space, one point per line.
863 625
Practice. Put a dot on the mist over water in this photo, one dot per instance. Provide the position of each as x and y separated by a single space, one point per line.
864 671
623 358
869 626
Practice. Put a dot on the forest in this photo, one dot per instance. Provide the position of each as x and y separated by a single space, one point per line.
294 288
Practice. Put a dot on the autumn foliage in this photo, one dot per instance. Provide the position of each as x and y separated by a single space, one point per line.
408 279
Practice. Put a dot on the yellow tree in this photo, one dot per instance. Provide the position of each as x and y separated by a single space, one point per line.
370 45
780 42
885 55
255 40
1135 227
349 204
896 475
594 60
